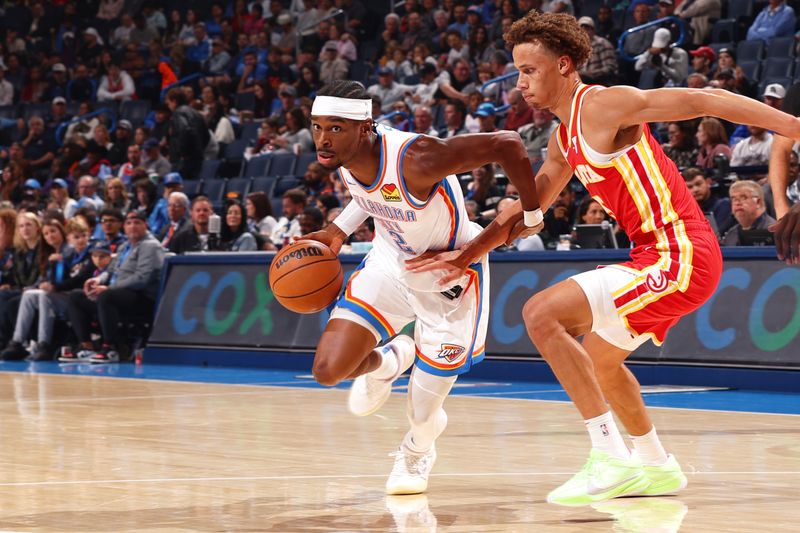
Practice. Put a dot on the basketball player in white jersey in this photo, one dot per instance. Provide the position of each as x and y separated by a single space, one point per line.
407 183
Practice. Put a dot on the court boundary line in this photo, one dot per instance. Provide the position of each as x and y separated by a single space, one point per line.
329 389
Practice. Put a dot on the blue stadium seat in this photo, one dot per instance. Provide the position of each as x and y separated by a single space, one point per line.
256 167
215 190
208 171
283 184
751 69
749 50
238 185
781 47
233 156
9 112
740 9
192 188
777 67
723 31
249 131
303 160
135 111
264 184
282 165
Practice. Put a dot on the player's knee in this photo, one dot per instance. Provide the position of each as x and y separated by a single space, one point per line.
540 319
325 373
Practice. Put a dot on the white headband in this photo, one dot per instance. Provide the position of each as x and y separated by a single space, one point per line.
334 106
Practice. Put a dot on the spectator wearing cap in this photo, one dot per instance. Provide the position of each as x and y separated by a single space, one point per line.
177 212
774 94
58 80
6 88
32 196
332 67
726 59
123 139
216 66
776 20
701 15
117 85
58 114
91 50
424 93
60 198
159 216
520 113
666 8
129 286
39 147
749 210
152 160
702 60
672 62
388 90
602 66
725 78
188 135
487 117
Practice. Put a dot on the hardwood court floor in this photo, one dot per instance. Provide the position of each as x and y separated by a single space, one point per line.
97 454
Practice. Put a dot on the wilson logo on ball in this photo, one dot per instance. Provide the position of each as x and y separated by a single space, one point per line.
300 253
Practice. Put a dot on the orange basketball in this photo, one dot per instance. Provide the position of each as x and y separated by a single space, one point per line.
305 276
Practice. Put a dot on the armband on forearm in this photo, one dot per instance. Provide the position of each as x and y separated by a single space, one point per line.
351 218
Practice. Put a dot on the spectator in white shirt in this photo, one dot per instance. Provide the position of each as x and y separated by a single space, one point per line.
754 150
116 85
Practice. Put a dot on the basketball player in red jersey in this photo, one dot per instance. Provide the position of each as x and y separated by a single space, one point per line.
674 267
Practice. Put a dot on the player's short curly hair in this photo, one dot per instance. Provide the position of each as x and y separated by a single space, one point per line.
558 32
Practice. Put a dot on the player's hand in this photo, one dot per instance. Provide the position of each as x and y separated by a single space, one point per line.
332 237
453 263
520 231
787 236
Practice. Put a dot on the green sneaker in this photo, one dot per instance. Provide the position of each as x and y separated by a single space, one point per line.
664 479
602 477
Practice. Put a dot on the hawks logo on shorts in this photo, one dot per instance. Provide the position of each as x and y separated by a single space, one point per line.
450 352
390 192
657 281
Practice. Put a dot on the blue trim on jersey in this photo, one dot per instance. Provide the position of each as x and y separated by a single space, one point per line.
468 361
449 192
402 179
381 162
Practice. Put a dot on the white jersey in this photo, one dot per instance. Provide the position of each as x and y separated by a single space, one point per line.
406 226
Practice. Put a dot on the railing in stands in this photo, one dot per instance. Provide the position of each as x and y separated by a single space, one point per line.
495 81
182 81
660 22
390 116
60 130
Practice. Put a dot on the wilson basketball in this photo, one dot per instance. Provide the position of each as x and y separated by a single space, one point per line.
305 276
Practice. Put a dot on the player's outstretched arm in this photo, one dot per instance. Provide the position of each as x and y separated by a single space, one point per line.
430 159
622 107
787 236
779 172
551 178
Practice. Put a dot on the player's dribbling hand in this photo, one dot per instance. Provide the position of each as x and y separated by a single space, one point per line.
454 264
332 238
787 236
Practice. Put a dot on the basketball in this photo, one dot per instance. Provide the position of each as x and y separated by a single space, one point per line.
305 276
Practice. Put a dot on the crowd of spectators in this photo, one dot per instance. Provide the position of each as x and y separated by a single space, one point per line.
103 154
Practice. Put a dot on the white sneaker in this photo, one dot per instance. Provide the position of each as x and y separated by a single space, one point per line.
368 394
410 472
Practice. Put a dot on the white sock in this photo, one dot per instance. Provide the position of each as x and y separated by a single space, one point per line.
396 357
426 395
649 448
606 436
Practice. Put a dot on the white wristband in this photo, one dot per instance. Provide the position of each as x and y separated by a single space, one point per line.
533 218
